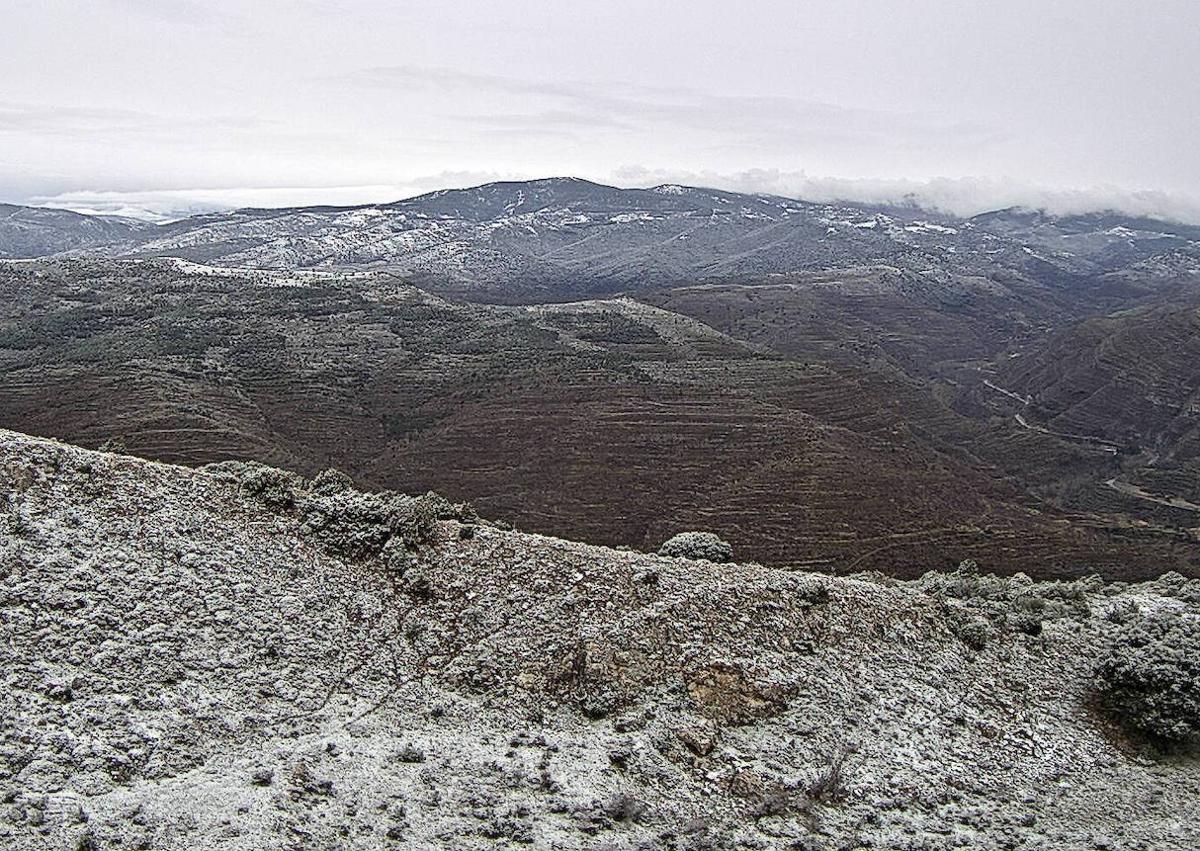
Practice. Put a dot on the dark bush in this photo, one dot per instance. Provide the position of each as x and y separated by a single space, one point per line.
625 808
1149 678
276 488
973 632
351 524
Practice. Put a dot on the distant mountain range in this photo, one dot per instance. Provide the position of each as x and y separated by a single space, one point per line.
561 237
827 386
40 231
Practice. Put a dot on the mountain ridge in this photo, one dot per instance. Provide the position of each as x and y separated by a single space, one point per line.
529 240
908 204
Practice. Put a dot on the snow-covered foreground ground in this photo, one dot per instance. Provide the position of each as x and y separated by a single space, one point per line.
236 659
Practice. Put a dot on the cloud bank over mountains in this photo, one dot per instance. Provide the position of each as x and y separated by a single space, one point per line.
955 196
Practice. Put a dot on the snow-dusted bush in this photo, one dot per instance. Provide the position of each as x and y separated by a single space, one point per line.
1149 678
330 481
1016 603
358 525
1172 584
973 632
352 524
697 545
347 522
275 488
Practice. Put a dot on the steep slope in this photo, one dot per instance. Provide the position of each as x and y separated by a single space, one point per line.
237 659
606 420
1130 379
36 232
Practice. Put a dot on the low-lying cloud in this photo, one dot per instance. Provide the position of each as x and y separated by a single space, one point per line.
958 196
161 205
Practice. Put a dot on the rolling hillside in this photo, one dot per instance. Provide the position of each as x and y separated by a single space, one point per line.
607 420
559 238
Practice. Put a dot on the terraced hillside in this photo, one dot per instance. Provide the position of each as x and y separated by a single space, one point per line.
1131 379
609 420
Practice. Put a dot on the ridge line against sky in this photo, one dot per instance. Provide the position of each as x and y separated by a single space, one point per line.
163 107
961 197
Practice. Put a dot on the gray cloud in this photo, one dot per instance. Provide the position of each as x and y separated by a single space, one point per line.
405 77
75 120
632 107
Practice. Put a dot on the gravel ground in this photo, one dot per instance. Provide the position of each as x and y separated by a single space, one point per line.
189 663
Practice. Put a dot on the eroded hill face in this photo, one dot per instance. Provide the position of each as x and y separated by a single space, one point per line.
237 658
611 420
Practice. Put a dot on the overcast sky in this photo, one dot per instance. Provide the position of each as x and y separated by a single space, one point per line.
172 105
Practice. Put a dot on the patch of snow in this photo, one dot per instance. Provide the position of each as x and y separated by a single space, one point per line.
625 218
929 227
358 218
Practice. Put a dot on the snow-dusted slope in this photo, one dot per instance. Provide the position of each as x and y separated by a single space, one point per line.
565 233
241 660
35 232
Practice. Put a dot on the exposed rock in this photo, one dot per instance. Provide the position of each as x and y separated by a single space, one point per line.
700 739
723 691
